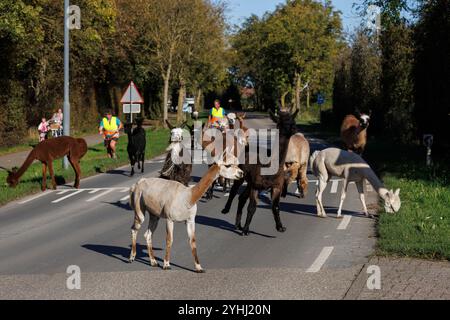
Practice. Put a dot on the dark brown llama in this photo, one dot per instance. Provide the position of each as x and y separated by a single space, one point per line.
256 182
50 150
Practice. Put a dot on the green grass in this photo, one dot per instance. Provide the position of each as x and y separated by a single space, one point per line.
93 163
422 227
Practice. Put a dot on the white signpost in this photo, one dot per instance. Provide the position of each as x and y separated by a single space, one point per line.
132 101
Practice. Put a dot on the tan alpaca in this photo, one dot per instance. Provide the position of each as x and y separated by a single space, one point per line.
171 200
350 166
354 132
297 162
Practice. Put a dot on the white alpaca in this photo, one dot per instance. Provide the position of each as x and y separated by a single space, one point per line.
171 200
350 166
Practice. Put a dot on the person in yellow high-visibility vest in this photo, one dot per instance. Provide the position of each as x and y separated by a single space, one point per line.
217 114
110 127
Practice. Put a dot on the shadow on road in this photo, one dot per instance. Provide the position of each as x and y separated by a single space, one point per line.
119 253
224 225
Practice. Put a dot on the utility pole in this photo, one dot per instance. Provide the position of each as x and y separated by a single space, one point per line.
66 119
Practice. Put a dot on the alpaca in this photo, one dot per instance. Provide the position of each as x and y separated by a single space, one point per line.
297 163
256 182
354 132
50 150
176 172
136 145
351 167
174 202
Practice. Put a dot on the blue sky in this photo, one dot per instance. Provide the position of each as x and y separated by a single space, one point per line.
240 9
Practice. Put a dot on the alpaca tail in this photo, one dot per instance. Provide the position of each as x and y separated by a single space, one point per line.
312 159
135 203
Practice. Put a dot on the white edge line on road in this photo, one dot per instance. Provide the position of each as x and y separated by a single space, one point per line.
100 195
68 196
63 192
36 197
321 259
125 198
345 222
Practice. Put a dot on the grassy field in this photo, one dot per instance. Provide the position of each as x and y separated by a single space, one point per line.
93 163
422 227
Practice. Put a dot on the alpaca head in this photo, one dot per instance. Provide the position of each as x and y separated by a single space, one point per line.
392 201
231 119
128 128
12 179
176 135
285 121
364 119
230 171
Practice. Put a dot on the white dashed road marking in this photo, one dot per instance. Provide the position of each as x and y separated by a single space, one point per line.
68 196
334 186
344 223
100 195
321 259
125 198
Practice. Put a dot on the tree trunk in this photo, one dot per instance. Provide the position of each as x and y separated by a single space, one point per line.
181 96
308 98
298 91
166 78
283 100
198 100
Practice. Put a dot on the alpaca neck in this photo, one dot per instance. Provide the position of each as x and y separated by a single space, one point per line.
205 183
28 162
375 182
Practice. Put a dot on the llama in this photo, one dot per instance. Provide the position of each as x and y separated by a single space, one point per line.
351 167
174 202
136 145
171 171
297 163
46 152
354 132
257 182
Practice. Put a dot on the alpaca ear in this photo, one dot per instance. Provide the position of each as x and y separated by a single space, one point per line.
397 193
171 127
273 116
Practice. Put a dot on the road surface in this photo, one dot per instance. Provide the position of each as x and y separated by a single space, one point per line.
42 235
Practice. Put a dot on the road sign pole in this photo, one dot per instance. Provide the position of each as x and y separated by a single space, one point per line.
131 105
66 119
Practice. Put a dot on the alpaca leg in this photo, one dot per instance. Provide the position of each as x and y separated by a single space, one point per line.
250 211
76 167
153 224
143 162
242 201
343 196
44 176
320 189
360 186
191 233
303 181
169 241
276 209
52 174
233 193
134 232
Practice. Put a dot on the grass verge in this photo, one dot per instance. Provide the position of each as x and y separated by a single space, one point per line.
422 227
93 163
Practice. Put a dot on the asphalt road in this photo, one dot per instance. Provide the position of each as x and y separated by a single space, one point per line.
40 236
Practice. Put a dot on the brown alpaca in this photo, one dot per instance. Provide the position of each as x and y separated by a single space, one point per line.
354 132
50 150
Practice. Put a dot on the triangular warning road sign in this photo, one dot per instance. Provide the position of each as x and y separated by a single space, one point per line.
132 95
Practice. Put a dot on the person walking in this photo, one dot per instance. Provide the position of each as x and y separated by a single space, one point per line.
110 127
